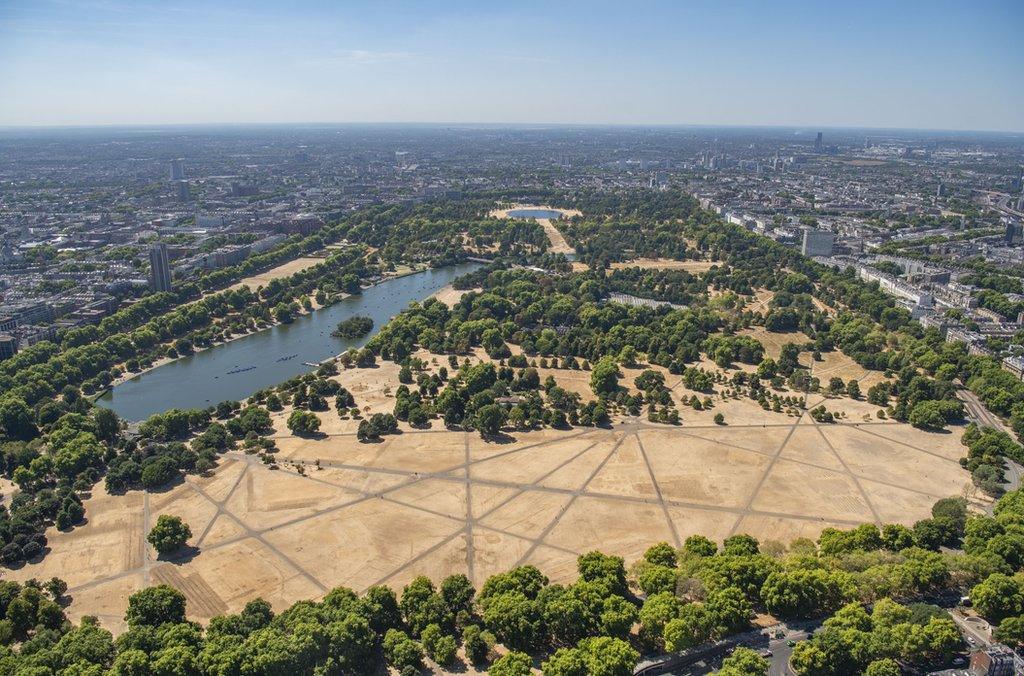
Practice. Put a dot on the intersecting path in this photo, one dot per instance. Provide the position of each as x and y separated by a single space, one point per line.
469 522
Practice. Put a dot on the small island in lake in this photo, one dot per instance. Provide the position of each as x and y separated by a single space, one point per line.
353 327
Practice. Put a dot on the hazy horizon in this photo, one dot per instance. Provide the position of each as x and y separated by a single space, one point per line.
917 66
314 124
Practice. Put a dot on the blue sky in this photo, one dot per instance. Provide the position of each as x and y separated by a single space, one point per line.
935 64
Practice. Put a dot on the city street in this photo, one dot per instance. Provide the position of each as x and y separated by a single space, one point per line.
977 412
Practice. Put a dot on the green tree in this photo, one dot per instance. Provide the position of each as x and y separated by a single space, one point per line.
599 656
16 419
457 592
997 597
489 420
609 570
693 626
107 423
169 534
401 651
883 667
303 422
658 610
897 537
284 313
653 579
809 659
566 662
175 661
604 377
744 662
886 614
88 644
439 646
514 619
1009 547
729 609
928 415
512 664
159 472
380 607
1011 631
661 554
698 545
741 545
154 606
475 644
804 593
131 662
422 606
954 508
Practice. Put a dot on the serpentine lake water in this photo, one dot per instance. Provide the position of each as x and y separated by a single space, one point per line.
534 213
236 369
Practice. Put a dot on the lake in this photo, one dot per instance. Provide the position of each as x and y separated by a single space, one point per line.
234 370
534 213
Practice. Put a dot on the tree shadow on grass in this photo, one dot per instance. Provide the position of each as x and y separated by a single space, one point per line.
179 556
78 524
176 481
316 436
498 438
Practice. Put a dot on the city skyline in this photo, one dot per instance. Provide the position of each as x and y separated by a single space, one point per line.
791 65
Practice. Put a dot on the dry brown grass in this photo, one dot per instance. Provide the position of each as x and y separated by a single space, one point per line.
436 502
284 270
665 264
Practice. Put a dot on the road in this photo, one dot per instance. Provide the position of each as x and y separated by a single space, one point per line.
977 412
975 637
758 640
782 651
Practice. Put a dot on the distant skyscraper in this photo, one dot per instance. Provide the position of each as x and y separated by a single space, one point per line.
1014 233
177 170
159 268
939 190
817 143
183 194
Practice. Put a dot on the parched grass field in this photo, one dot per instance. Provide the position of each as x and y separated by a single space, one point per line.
281 271
654 264
665 264
434 502
449 295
